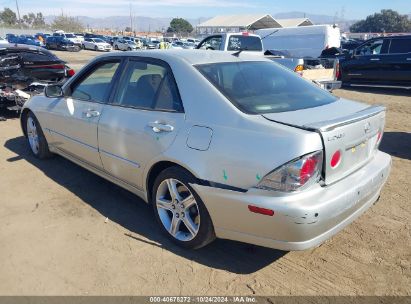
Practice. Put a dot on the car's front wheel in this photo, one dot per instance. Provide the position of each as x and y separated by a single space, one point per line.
179 210
35 138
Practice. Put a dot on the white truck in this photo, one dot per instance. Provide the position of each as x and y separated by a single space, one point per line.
253 44
301 41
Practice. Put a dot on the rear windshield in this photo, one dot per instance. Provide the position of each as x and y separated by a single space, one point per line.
246 43
264 87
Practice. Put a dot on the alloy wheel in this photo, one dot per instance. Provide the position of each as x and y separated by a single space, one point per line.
32 135
178 209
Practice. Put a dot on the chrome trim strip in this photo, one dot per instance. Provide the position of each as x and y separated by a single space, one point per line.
92 167
137 165
73 139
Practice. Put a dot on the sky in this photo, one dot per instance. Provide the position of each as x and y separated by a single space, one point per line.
353 9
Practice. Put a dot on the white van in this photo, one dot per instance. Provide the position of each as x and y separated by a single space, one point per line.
301 41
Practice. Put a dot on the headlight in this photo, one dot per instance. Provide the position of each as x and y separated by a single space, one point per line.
296 175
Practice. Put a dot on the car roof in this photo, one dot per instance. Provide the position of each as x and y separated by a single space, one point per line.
192 57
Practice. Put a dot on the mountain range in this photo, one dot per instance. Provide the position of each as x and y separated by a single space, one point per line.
144 23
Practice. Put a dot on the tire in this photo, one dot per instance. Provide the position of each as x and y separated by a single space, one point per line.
95 48
35 137
129 49
188 208
116 47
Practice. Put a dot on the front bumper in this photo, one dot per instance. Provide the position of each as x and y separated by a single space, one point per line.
301 220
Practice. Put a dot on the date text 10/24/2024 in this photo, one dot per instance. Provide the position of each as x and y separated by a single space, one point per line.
203 299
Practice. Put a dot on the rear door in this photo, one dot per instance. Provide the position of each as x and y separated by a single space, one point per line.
73 119
398 62
141 121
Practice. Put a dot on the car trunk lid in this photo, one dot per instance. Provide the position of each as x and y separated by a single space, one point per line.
346 126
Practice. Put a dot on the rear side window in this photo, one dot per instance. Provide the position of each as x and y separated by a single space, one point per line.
148 86
263 87
400 46
246 43
95 86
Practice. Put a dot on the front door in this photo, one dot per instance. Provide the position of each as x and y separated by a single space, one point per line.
366 64
75 116
141 121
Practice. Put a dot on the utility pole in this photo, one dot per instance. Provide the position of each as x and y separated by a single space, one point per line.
131 20
18 13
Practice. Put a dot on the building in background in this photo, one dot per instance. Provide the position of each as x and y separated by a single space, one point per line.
238 23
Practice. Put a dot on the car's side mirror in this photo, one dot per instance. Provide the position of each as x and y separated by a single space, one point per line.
53 91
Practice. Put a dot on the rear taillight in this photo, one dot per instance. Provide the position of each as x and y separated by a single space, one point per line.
379 137
70 73
49 66
337 71
295 175
299 69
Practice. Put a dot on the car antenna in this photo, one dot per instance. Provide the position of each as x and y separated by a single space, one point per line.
270 34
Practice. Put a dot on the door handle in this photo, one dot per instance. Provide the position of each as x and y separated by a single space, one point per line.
160 127
375 59
91 113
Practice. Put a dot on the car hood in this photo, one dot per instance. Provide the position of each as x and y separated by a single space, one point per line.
305 117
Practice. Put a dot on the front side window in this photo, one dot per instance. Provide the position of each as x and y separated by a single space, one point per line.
95 86
245 43
400 46
375 47
263 87
148 86
211 43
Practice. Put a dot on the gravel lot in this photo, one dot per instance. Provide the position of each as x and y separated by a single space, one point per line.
54 239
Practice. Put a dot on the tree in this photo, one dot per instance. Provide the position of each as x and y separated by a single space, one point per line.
39 20
8 17
180 25
386 21
67 24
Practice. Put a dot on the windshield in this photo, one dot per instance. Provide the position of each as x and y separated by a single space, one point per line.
264 87
246 43
70 36
98 40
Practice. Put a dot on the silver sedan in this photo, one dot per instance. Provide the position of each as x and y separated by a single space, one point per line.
220 145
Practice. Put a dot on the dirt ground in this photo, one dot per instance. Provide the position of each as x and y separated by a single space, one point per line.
54 238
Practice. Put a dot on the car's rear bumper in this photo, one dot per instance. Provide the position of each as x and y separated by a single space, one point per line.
301 220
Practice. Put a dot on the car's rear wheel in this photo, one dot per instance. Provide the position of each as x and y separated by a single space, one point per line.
179 210
95 48
129 49
116 47
35 137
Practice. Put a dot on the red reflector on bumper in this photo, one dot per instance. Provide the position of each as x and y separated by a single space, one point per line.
260 210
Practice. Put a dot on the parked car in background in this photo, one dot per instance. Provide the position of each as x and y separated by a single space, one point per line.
148 44
62 44
29 40
79 36
125 45
3 41
302 41
25 71
96 44
69 36
382 62
171 127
